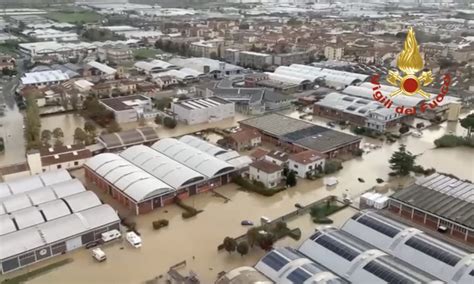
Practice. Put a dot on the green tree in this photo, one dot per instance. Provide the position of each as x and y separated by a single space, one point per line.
404 129
46 137
468 123
80 136
89 127
169 122
266 241
158 119
332 166
252 236
230 244
402 161
243 248
291 179
32 122
113 127
74 101
58 133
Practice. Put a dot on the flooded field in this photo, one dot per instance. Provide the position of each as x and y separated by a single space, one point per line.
200 236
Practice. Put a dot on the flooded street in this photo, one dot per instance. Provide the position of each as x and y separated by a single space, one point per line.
200 236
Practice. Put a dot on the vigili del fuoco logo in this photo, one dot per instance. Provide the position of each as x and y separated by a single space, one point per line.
410 82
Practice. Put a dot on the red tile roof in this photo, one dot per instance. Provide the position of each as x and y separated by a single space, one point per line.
258 153
244 135
306 157
266 166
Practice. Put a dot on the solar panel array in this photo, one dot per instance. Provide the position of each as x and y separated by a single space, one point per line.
433 251
385 273
274 260
298 276
337 247
379 226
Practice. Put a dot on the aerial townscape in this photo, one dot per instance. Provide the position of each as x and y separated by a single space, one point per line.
236 141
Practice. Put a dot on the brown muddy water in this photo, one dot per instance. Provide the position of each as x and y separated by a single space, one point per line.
200 236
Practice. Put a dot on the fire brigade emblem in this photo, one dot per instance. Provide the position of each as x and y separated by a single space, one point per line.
410 63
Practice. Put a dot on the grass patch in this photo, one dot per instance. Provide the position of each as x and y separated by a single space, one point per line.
75 17
144 53
27 276
320 212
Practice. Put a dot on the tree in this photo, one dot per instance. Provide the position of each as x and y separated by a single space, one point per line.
213 55
80 136
89 127
404 129
158 119
252 236
291 179
169 122
468 123
243 248
266 241
32 122
332 166
58 143
58 133
114 127
229 244
402 161
46 137
74 101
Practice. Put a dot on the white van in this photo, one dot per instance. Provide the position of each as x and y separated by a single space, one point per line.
111 235
134 239
99 254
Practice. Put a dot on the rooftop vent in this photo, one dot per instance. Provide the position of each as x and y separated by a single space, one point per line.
51 150
56 157
68 146
74 153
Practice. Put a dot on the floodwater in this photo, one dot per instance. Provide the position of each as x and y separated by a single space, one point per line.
200 236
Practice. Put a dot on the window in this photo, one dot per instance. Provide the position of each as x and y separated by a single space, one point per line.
58 166
76 163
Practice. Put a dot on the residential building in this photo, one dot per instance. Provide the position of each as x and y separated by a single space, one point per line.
232 56
296 135
255 59
333 52
266 172
129 108
7 61
63 157
115 54
94 68
306 162
165 81
209 49
286 59
277 157
203 110
244 140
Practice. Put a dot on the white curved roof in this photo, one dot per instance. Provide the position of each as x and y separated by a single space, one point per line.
295 79
40 195
59 229
191 72
357 261
449 263
202 145
327 71
294 72
176 73
286 265
82 201
27 217
54 209
33 182
191 157
162 64
363 91
6 225
127 177
160 166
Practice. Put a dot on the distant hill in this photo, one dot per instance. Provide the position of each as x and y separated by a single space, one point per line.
32 3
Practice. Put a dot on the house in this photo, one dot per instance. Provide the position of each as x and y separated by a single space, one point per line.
258 154
277 157
164 82
266 172
306 162
7 61
104 71
63 157
244 139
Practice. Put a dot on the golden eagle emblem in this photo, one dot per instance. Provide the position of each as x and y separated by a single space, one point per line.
410 63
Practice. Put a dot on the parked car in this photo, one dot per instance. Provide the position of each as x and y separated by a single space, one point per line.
331 124
91 245
246 223
442 229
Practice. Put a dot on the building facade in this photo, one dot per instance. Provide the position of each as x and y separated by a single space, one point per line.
203 110
266 172
306 163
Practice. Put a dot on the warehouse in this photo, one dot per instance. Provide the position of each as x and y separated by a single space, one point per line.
241 275
357 261
203 110
297 135
144 178
287 266
44 78
25 184
438 200
121 140
128 109
133 187
55 237
437 258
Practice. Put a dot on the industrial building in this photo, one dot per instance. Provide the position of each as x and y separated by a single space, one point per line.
433 256
118 141
144 178
47 215
244 274
207 66
297 135
154 66
357 261
203 110
44 78
438 200
287 266
128 109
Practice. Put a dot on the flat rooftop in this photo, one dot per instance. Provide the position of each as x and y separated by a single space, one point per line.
311 136
202 103
124 103
441 195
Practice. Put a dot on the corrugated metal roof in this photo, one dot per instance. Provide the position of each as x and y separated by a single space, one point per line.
27 217
82 201
54 209
6 225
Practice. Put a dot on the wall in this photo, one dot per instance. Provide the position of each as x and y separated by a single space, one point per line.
302 169
66 165
209 114
269 180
